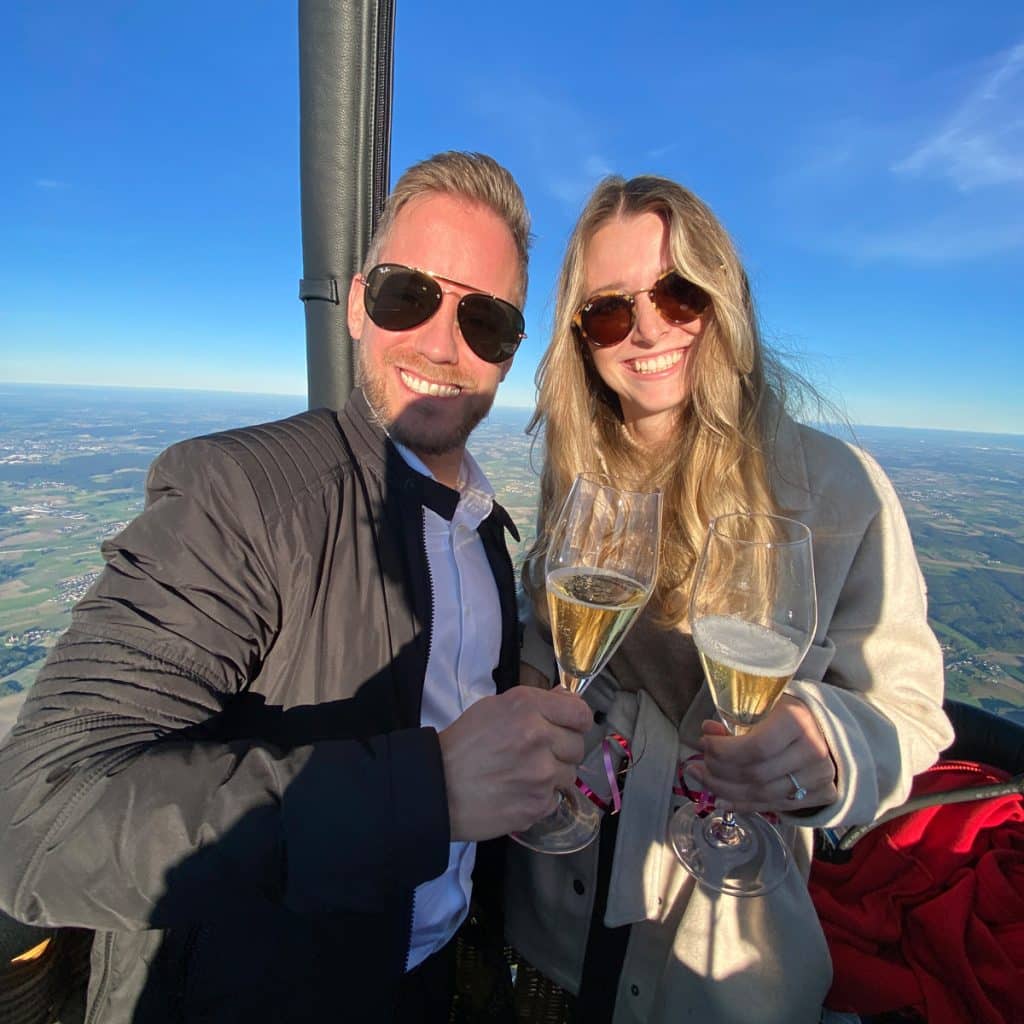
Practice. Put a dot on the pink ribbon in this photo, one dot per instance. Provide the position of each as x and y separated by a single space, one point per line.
610 773
704 799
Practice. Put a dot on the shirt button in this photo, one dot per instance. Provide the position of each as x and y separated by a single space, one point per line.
578 887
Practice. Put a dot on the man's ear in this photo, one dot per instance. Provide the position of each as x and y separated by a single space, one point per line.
356 309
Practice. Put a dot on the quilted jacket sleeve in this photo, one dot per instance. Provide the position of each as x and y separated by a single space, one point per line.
122 808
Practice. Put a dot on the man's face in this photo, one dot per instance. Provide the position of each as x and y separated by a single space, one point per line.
425 384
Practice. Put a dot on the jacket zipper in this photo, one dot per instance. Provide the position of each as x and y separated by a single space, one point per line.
419 713
430 621
408 941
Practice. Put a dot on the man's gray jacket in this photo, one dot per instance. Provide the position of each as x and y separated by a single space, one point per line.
220 768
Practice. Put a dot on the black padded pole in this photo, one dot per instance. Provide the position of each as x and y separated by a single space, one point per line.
345 76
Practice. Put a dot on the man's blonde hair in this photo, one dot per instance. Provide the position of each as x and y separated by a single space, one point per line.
470 176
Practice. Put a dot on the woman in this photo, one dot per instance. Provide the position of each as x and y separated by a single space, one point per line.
656 375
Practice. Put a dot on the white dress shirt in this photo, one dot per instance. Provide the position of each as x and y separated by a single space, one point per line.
465 644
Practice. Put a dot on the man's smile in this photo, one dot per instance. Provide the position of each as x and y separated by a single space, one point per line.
422 386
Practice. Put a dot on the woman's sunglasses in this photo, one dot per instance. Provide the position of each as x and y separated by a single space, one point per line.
607 318
398 298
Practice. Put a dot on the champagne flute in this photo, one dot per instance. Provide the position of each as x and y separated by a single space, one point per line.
601 564
753 612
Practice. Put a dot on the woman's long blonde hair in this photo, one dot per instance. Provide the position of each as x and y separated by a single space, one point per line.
716 462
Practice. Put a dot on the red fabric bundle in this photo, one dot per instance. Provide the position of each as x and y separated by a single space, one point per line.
929 913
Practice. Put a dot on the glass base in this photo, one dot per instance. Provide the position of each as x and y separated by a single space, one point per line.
749 859
573 825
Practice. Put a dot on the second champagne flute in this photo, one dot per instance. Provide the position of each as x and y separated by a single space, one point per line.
753 615
602 560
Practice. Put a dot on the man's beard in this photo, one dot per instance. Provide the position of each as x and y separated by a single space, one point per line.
414 429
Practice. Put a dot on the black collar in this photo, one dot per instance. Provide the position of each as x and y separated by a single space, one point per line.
378 452
435 496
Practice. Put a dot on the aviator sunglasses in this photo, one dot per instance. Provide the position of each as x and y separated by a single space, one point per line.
607 318
398 298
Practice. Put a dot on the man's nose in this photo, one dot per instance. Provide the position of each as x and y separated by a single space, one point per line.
439 338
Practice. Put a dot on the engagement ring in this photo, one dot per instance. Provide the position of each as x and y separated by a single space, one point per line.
798 791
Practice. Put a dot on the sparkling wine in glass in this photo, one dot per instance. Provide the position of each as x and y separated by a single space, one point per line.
753 613
590 610
600 569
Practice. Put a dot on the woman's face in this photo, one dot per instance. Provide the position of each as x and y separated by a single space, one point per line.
649 369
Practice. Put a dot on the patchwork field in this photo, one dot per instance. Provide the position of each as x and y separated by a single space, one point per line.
73 463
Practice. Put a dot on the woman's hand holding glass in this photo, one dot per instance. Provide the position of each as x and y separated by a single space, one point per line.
753 613
755 771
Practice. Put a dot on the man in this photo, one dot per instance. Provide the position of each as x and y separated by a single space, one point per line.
260 759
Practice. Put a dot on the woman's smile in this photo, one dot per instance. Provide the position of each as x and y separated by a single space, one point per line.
659 365
649 369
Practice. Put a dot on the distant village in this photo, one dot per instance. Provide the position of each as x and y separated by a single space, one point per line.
963 506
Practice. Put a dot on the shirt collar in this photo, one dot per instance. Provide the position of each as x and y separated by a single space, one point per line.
476 495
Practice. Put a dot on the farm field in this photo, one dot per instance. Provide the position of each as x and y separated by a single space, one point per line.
73 464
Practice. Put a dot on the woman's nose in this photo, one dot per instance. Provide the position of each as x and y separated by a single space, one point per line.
650 324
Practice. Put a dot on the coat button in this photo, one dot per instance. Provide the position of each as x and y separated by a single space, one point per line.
578 887
635 989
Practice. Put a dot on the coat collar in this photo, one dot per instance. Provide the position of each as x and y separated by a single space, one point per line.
364 432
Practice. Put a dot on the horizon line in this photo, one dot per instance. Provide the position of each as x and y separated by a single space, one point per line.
497 404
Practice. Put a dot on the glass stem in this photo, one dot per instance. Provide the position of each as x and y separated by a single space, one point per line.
725 832
728 828
562 684
571 683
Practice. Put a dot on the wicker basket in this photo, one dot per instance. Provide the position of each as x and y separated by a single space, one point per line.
36 990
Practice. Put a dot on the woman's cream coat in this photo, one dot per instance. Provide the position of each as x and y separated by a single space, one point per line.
873 680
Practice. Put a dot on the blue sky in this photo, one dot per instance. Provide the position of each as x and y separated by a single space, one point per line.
869 162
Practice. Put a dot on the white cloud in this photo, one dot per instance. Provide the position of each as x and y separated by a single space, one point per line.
49 183
982 141
575 184
564 147
597 166
950 239
841 149
864 188
660 152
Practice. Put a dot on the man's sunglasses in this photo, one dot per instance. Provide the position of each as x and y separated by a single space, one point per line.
398 298
607 318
